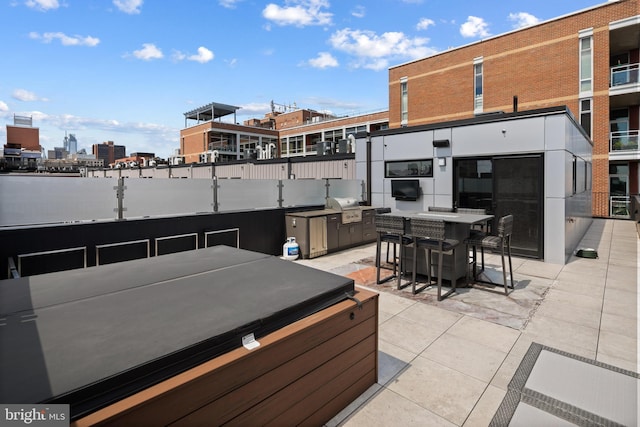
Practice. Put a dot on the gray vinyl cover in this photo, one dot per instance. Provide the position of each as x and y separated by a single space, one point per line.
93 336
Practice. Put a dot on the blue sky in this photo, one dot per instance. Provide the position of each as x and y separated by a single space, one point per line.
128 70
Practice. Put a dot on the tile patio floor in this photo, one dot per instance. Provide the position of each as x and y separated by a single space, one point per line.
449 363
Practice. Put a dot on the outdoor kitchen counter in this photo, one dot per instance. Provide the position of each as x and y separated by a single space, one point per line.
316 213
323 231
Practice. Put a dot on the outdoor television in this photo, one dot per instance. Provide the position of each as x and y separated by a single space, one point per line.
405 189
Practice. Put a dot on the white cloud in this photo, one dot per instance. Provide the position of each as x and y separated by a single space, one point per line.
299 13
523 19
324 60
148 136
131 7
331 104
229 4
3 107
255 108
65 40
178 56
148 52
374 51
474 27
358 11
42 5
425 23
26 96
204 55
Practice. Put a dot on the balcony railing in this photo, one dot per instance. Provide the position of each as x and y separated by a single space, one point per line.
606 205
624 74
623 141
619 206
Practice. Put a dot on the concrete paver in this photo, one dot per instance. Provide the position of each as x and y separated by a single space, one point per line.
449 363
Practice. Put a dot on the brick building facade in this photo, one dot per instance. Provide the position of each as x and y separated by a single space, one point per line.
108 152
587 60
285 134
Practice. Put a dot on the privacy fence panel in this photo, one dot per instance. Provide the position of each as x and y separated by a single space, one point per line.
303 192
36 200
246 194
153 197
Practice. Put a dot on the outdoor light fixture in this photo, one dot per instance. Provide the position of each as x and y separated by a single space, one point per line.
440 143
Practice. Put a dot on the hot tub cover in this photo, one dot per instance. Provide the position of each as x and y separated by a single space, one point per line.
93 336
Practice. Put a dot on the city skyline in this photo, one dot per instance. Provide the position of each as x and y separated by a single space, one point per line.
127 70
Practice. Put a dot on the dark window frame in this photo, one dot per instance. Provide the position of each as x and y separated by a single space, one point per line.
415 168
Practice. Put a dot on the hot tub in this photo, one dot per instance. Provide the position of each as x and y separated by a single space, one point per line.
93 336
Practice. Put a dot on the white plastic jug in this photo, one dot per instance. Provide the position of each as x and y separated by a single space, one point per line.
290 249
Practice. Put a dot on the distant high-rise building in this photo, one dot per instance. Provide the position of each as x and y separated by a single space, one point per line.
70 143
108 152
58 153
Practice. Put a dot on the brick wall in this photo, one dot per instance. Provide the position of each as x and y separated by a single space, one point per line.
540 65
27 137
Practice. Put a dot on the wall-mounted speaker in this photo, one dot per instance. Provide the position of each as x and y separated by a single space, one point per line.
439 143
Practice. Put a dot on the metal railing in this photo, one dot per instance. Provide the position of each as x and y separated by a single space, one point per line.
121 198
624 74
620 206
623 141
606 205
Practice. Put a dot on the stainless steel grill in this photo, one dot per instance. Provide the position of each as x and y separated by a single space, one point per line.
349 207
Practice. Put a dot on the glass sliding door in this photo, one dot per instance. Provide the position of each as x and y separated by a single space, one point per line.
518 191
474 183
619 200
502 186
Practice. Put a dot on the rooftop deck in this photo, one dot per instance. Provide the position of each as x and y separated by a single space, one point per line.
451 362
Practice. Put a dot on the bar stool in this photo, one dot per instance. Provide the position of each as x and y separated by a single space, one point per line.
498 241
430 235
390 229
383 211
477 232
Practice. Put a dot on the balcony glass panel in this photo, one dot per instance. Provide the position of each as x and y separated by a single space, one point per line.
624 74
623 141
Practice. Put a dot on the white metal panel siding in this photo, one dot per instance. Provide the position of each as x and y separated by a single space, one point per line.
414 145
202 172
344 169
183 172
526 135
148 173
269 171
231 171
160 173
